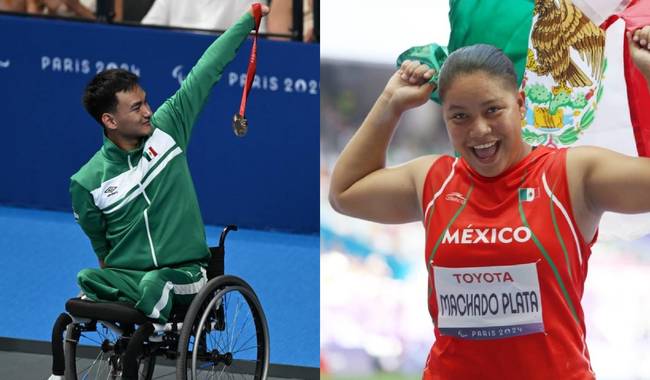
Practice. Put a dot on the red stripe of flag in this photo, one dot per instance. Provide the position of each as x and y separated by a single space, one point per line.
636 15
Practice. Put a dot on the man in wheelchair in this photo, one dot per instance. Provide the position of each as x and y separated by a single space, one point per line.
136 202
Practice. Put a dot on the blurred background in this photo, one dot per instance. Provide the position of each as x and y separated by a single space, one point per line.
374 319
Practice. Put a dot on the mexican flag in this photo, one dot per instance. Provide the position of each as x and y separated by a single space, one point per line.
527 194
574 68
150 153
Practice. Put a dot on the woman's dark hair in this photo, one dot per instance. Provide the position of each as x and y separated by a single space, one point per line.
469 59
100 97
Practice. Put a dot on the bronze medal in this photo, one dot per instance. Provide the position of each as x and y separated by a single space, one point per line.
239 125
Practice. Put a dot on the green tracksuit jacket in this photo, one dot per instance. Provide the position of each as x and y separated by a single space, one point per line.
139 208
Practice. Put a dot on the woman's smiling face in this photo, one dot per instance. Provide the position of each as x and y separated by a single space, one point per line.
483 116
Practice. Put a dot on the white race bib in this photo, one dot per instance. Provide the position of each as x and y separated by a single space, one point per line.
488 302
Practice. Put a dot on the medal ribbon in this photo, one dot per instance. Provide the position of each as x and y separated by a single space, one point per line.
252 62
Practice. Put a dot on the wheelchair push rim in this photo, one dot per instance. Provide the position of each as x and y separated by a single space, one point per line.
229 332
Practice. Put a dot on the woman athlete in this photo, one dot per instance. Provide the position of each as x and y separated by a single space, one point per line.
508 227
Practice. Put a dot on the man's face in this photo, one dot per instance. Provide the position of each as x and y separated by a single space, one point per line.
131 117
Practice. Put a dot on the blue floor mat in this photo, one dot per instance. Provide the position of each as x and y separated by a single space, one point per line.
42 251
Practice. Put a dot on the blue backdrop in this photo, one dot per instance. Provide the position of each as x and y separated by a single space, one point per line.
266 180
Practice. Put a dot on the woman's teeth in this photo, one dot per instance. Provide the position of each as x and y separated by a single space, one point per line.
486 151
484 146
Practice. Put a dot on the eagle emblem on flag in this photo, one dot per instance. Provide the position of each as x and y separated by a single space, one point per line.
559 88
556 31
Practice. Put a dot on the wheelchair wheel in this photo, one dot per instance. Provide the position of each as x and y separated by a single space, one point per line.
224 334
93 351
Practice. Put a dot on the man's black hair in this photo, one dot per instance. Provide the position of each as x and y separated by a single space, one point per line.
100 97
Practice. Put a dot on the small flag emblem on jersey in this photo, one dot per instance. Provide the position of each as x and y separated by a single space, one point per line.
528 194
150 153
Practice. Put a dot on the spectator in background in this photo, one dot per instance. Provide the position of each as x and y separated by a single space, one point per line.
198 14
70 8
281 18
13 5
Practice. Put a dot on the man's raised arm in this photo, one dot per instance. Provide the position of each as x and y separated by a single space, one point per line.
179 113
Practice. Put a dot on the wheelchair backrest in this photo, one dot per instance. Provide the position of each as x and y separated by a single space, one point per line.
217 254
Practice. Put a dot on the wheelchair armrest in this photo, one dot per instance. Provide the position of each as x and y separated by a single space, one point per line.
224 233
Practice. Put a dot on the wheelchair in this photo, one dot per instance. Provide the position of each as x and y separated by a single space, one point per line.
222 333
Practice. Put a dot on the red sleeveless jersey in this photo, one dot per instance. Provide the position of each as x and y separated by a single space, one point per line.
507 266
